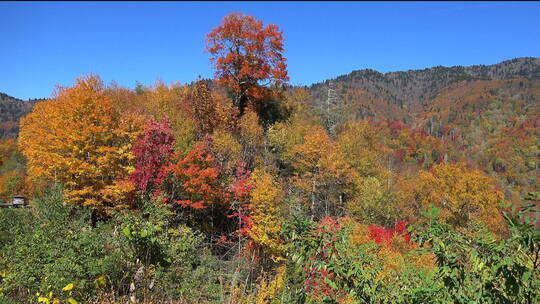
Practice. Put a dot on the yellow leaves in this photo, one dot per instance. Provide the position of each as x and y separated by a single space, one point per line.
51 299
81 140
318 155
462 194
285 135
365 148
226 147
269 289
374 200
251 135
101 281
251 132
72 301
266 200
43 300
320 168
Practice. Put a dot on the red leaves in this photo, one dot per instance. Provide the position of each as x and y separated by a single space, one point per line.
241 187
328 225
152 153
385 236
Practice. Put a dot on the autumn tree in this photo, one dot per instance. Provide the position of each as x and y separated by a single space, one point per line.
203 108
153 151
251 136
365 147
195 179
321 174
265 201
463 195
283 136
248 58
156 102
79 139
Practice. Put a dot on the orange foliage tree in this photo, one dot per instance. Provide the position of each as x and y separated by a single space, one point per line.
80 140
247 57
195 180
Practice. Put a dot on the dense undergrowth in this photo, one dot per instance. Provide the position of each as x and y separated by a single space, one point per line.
52 253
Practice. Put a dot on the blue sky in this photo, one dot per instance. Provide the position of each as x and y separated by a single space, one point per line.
45 44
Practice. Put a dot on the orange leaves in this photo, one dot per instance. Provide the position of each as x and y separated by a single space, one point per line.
81 140
199 179
245 55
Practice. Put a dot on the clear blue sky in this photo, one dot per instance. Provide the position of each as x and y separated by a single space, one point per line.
44 44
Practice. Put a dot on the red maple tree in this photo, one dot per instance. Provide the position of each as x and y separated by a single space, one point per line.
248 58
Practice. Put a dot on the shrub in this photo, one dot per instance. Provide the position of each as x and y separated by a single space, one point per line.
51 246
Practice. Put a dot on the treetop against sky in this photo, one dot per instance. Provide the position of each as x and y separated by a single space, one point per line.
45 44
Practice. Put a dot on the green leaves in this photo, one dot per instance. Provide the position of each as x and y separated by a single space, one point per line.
478 267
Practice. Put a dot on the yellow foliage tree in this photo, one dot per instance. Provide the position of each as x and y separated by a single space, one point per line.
226 149
365 148
266 216
251 135
79 139
463 195
283 136
321 173
375 200
161 100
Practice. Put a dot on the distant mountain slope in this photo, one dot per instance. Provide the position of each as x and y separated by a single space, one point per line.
401 95
11 110
487 116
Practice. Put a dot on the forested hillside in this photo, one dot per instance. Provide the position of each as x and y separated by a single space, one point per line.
11 110
472 112
404 187
411 92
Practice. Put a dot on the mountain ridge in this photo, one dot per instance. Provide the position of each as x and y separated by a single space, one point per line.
409 92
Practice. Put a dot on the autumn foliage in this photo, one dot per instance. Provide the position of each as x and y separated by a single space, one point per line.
236 190
80 140
198 178
152 150
248 58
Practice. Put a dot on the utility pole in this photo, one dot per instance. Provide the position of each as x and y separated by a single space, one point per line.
332 101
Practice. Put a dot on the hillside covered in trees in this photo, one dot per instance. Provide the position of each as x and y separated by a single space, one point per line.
11 110
403 187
